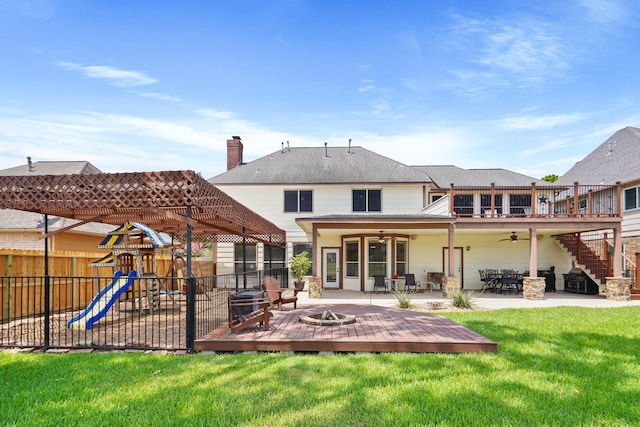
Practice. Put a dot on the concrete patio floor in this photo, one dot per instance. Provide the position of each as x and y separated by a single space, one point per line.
485 300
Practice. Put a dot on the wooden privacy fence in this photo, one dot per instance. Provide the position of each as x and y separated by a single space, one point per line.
22 271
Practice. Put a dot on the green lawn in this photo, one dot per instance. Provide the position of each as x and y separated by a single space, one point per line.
558 366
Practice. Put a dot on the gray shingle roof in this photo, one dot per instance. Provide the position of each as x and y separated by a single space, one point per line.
309 165
11 219
51 168
444 175
616 159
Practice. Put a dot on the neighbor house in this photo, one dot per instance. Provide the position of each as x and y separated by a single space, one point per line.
361 214
24 230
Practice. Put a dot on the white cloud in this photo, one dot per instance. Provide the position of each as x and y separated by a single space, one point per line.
121 78
160 96
604 12
528 51
538 122
503 52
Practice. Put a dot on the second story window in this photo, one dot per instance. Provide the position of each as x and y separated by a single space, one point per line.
298 201
631 198
367 200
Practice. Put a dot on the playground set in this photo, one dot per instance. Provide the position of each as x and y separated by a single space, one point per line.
135 281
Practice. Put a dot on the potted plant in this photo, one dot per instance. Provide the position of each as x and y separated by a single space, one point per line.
300 265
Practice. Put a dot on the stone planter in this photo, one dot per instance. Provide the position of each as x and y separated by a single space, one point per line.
450 285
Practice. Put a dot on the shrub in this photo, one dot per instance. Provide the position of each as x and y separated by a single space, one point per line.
405 298
461 299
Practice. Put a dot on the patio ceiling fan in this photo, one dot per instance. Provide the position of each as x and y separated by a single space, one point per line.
513 238
382 239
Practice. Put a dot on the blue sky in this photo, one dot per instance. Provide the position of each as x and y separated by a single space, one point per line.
531 86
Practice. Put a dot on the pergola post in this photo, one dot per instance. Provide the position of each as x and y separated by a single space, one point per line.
47 285
191 288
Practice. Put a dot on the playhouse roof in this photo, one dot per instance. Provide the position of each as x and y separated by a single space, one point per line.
121 237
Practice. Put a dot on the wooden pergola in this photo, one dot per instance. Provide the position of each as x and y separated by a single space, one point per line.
175 202
181 203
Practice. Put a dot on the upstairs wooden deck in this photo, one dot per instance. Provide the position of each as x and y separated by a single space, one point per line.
377 329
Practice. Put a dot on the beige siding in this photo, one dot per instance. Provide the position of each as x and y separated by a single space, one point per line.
631 224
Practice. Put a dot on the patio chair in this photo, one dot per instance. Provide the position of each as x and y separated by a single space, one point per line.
379 281
509 281
244 312
277 295
490 280
410 281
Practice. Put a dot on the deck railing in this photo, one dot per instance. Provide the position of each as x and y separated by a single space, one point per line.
153 314
539 201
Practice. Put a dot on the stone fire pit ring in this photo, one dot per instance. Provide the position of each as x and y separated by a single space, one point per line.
327 318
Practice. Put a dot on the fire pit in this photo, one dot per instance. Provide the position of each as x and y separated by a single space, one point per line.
328 318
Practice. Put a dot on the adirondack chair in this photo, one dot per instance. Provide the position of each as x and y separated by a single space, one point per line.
277 295
244 312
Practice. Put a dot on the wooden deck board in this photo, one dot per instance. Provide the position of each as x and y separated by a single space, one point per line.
377 329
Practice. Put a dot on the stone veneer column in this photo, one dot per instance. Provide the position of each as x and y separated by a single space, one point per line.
618 288
450 284
315 287
533 288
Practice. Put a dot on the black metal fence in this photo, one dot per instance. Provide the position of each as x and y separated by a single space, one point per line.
141 313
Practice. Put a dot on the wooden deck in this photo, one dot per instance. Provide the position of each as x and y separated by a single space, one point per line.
377 329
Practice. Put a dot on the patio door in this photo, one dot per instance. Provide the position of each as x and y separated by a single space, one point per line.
458 268
330 268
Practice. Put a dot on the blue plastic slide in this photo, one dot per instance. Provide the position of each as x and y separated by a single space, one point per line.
102 302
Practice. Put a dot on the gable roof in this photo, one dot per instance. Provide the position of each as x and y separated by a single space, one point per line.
11 219
445 175
15 220
310 165
615 160
51 168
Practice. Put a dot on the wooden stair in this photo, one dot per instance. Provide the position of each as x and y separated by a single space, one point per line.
635 293
595 266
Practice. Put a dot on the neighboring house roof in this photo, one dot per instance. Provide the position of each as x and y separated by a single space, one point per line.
11 219
445 175
314 165
51 168
615 160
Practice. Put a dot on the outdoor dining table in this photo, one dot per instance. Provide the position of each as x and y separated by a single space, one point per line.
501 281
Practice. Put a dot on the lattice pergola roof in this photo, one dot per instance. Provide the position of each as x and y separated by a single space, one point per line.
161 200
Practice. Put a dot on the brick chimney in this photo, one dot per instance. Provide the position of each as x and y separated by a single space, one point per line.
234 152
